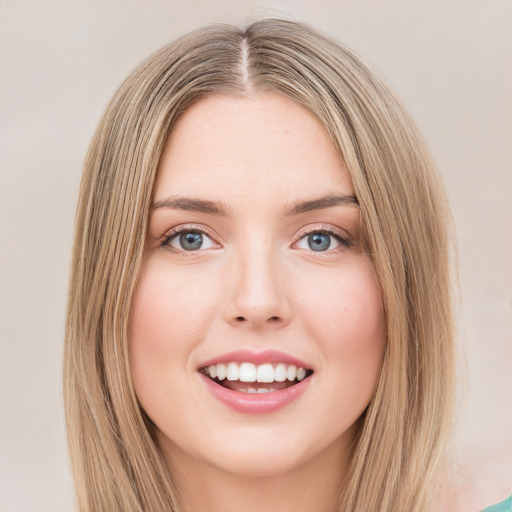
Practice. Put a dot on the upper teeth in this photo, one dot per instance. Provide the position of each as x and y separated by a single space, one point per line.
248 372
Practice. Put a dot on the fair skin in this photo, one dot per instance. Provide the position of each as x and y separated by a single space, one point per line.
258 275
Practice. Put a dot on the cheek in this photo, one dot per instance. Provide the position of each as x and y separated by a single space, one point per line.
170 314
344 314
346 306
170 309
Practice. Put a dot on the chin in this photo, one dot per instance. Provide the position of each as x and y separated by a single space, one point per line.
264 464
253 453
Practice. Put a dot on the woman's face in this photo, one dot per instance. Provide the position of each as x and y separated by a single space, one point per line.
254 258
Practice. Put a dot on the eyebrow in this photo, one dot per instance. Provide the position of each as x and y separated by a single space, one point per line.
220 209
194 205
319 204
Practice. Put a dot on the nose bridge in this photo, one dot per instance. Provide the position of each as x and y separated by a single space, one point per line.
258 295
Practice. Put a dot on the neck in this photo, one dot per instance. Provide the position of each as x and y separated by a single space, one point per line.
315 484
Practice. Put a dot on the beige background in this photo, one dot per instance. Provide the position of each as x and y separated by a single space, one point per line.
450 62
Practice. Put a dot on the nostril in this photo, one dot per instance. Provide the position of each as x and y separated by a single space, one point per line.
272 319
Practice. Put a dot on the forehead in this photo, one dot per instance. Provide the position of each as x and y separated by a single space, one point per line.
261 147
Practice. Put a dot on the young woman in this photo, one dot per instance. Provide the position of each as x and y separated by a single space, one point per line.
259 312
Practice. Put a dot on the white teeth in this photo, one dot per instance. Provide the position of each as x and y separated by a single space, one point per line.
291 372
253 390
280 372
265 373
249 372
232 371
221 371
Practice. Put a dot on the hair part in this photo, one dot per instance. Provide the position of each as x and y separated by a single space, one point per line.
116 462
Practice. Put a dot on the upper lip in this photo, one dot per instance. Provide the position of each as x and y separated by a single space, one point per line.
247 356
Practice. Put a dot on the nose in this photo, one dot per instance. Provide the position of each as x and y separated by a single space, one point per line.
258 295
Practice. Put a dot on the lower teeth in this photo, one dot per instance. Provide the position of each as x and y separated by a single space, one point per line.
250 390
259 390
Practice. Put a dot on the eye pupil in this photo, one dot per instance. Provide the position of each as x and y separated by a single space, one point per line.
319 241
191 241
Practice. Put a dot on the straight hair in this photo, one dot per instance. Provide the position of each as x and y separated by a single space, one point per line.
117 464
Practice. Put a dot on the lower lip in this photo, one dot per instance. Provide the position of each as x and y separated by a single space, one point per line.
256 403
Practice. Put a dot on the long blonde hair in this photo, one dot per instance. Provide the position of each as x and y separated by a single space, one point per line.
116 462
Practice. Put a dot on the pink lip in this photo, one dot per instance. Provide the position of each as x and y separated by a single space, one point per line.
255 403
268 356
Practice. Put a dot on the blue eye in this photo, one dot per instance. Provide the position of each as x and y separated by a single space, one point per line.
183 239
189 240
322 241
319 241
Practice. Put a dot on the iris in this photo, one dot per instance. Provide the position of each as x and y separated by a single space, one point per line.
319 241
191 241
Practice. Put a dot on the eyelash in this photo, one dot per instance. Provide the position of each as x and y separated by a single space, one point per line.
168 237
345 241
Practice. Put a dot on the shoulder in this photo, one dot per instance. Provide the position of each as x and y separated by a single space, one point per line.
503 506
496 497
474 495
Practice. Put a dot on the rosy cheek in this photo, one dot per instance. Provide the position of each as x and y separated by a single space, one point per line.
170 312
347 315
160 302
148 319
152 324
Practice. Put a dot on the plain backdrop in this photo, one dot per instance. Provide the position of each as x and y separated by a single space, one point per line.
60 62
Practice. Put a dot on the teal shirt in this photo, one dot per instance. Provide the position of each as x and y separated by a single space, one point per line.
504 506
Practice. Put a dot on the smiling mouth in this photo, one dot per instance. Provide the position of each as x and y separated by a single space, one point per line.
250 378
